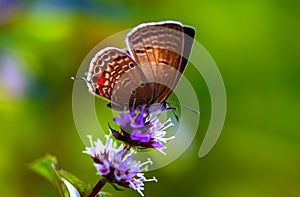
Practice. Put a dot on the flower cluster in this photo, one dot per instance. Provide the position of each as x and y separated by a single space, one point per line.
116 164
138 129
141 130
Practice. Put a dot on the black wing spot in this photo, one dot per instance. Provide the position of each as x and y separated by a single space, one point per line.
112 53
105 57
140 51
163 62
117 59
100 62
148 48
95 79
97 69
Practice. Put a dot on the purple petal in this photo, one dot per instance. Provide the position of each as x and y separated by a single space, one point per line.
136 132
123 120
156 144
118 174
127 175
104 168
115 133
140 119
139 136
117 120
132 113
117 159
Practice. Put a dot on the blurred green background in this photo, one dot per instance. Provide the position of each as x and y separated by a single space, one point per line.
256 45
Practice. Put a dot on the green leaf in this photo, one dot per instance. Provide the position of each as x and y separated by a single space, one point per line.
64 182
73 192
83 188
116 187
46 167
104 194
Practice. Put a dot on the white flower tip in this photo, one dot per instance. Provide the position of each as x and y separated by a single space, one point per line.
170 138
140 192
85 152
162 152
155 179
150 161
91 139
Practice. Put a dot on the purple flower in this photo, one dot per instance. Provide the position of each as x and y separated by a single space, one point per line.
142 130
116 164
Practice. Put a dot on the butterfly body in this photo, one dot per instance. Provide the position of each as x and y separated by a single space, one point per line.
147 73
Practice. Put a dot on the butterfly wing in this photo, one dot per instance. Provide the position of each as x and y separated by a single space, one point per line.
162 50
114 75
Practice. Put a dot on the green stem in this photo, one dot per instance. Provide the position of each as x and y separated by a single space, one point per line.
98 187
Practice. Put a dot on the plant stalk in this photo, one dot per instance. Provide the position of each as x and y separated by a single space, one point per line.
98 187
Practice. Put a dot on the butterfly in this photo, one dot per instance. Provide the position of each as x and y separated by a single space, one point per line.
147 72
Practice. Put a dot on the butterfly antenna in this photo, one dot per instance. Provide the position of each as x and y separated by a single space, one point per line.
186 107
80 78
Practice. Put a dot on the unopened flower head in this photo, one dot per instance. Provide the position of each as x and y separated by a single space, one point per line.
116 164
142 129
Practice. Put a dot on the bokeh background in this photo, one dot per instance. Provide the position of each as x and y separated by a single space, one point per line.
256 45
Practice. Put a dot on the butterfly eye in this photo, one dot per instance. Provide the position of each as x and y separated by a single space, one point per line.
142 84
133 92
131 65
